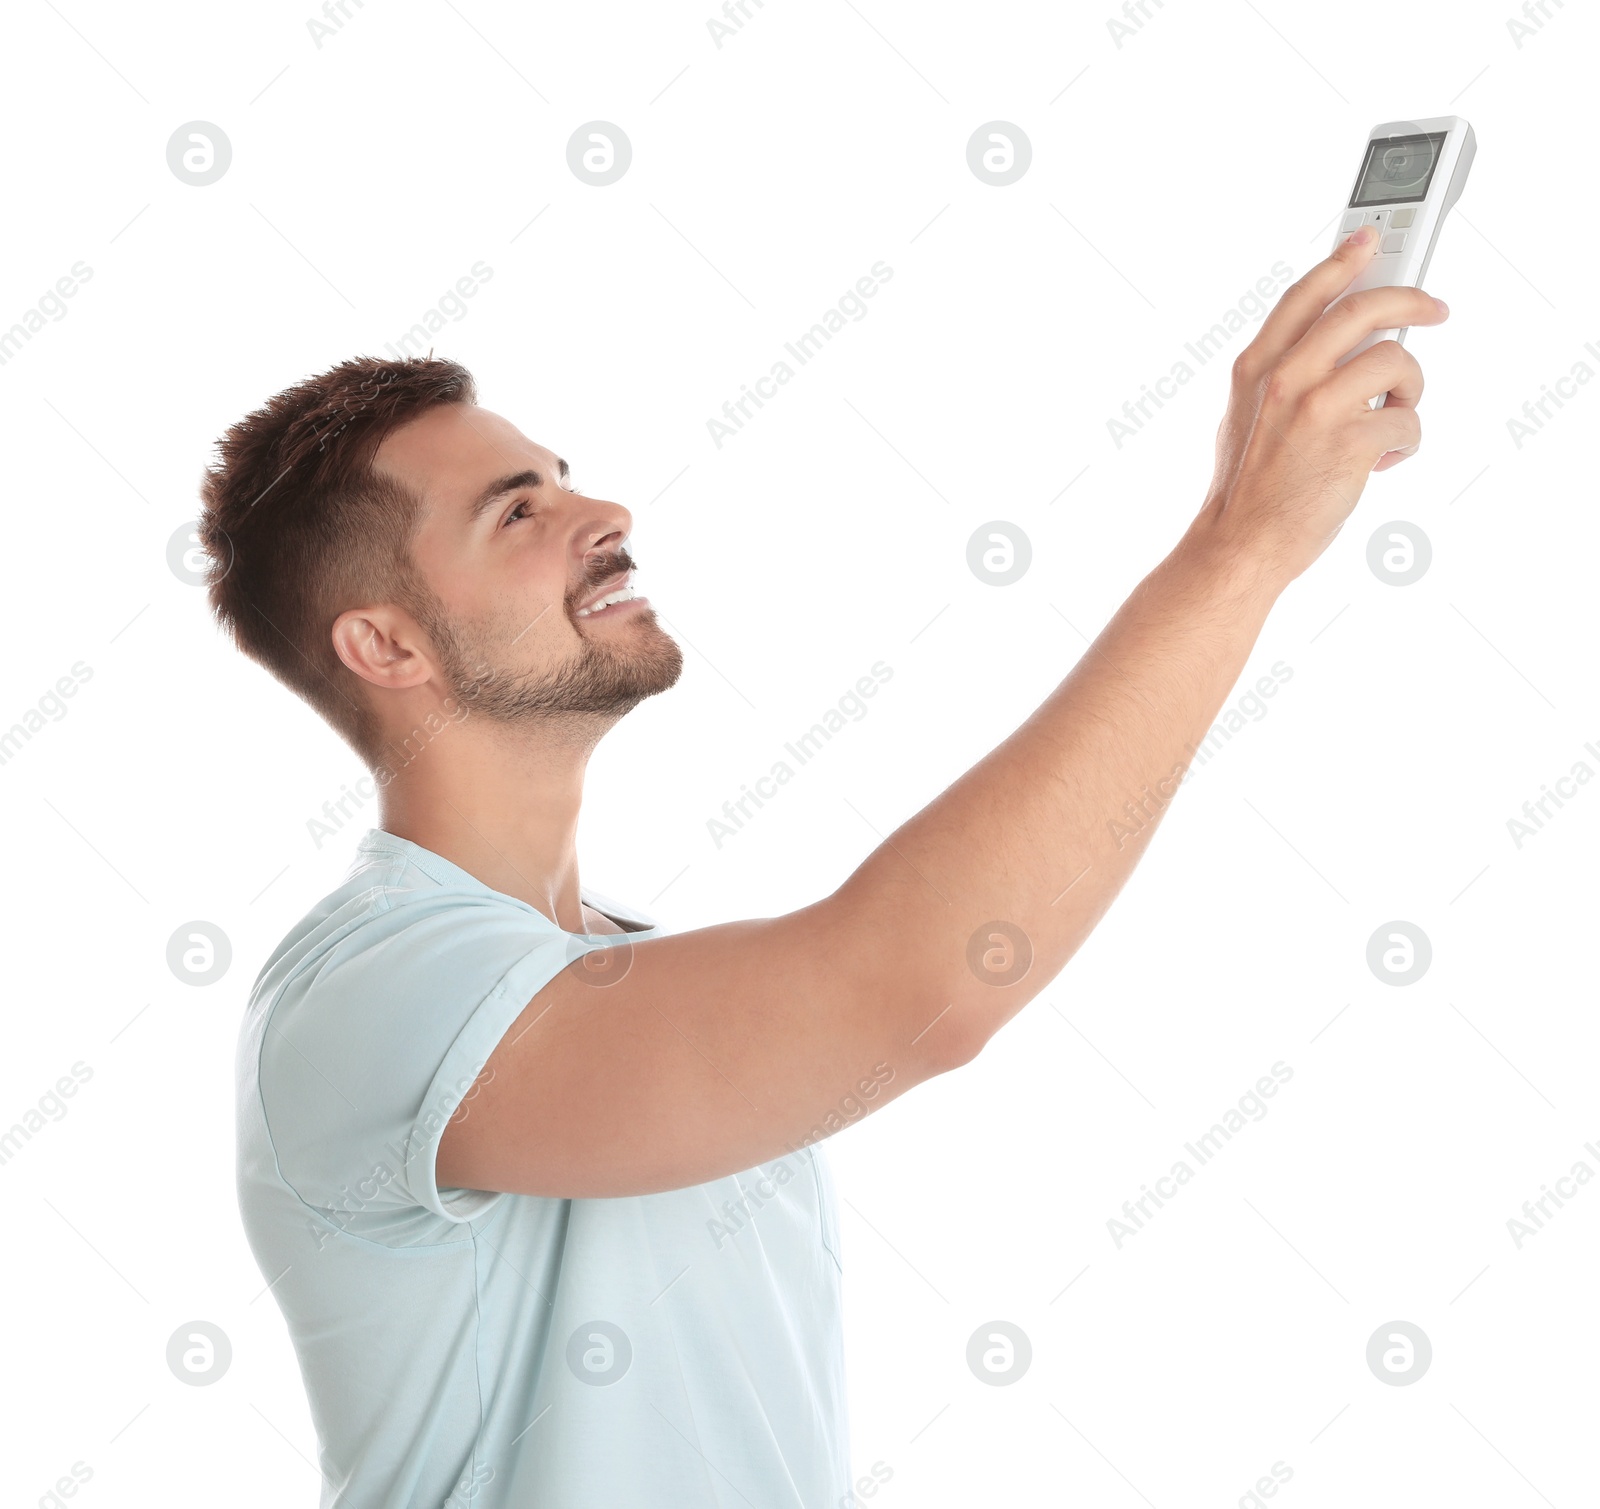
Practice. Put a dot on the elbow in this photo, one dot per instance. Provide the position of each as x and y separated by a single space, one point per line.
953 1041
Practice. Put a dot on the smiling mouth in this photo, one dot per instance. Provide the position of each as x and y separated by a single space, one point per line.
610 602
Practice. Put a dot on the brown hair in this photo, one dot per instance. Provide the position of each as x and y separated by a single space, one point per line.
299 528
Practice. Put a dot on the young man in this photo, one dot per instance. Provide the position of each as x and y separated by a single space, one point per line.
535 1182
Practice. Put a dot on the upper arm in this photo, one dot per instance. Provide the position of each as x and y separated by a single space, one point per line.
679 1059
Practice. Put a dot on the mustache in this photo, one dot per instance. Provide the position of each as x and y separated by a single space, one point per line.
600 569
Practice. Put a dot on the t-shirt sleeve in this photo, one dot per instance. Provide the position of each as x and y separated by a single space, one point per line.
375 1042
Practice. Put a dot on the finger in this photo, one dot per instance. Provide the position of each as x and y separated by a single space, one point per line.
1393 433
1305 300
1385 368
1351 320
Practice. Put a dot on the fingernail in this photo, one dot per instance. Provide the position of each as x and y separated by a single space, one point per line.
1359 237
1443 307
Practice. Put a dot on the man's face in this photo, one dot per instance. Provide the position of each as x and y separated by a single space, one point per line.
518 563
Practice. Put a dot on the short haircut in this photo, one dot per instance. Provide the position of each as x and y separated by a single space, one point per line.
299 528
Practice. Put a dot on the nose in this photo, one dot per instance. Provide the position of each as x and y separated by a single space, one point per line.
605 529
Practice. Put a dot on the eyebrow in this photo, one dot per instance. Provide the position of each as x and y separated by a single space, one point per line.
515 482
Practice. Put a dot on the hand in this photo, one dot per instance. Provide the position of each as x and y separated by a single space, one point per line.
1299 441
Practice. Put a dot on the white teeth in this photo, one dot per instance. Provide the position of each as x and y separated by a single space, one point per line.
624 595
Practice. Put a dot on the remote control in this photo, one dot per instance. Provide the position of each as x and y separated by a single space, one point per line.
1410 175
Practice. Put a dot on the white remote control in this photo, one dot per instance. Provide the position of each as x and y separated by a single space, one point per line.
1410 175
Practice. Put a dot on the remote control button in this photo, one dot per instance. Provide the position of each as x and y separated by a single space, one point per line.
1352 219
1402 218
1395 241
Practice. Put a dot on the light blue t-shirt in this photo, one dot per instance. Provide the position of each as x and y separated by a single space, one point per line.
473 1350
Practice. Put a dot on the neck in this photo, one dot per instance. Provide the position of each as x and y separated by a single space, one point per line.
502 804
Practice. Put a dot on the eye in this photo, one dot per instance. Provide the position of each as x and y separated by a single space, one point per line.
518 511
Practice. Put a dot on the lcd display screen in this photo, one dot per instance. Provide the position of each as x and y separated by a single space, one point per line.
1398 169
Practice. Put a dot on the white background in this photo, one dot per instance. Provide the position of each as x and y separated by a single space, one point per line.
1169 173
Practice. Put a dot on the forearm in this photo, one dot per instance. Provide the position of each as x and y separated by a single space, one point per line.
732 1044
1042 833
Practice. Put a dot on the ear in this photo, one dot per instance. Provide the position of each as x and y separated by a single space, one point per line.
383 645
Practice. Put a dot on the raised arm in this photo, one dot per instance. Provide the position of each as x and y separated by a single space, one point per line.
723 1048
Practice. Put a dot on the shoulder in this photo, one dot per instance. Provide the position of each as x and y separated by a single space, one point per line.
380 1004
394 914
377 980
